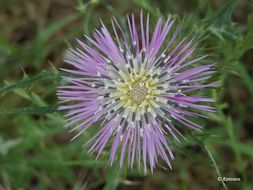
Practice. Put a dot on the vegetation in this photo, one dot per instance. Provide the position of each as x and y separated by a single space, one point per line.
35 149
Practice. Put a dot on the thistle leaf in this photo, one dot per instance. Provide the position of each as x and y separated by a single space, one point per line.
28 82
33 110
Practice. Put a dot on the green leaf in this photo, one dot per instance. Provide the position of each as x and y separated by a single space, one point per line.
27 82
86 163
113 178
45 34
148 6
223 15
6 145
5 47
33 110
245 148
41 41
244 42
248 81
220 23
248 39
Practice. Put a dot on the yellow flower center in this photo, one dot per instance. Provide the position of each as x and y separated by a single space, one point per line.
137 88
138 93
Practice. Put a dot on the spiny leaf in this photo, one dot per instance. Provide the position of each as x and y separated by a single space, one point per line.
27 82
245 42
220 23
223 15
33 110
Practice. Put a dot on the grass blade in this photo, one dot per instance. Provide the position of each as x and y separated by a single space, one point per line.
113 176
215 166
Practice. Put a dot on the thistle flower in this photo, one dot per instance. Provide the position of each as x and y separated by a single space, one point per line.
136 86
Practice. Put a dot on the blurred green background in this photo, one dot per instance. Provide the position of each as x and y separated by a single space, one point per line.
35 152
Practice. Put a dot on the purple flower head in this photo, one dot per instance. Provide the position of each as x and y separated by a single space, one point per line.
136 85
